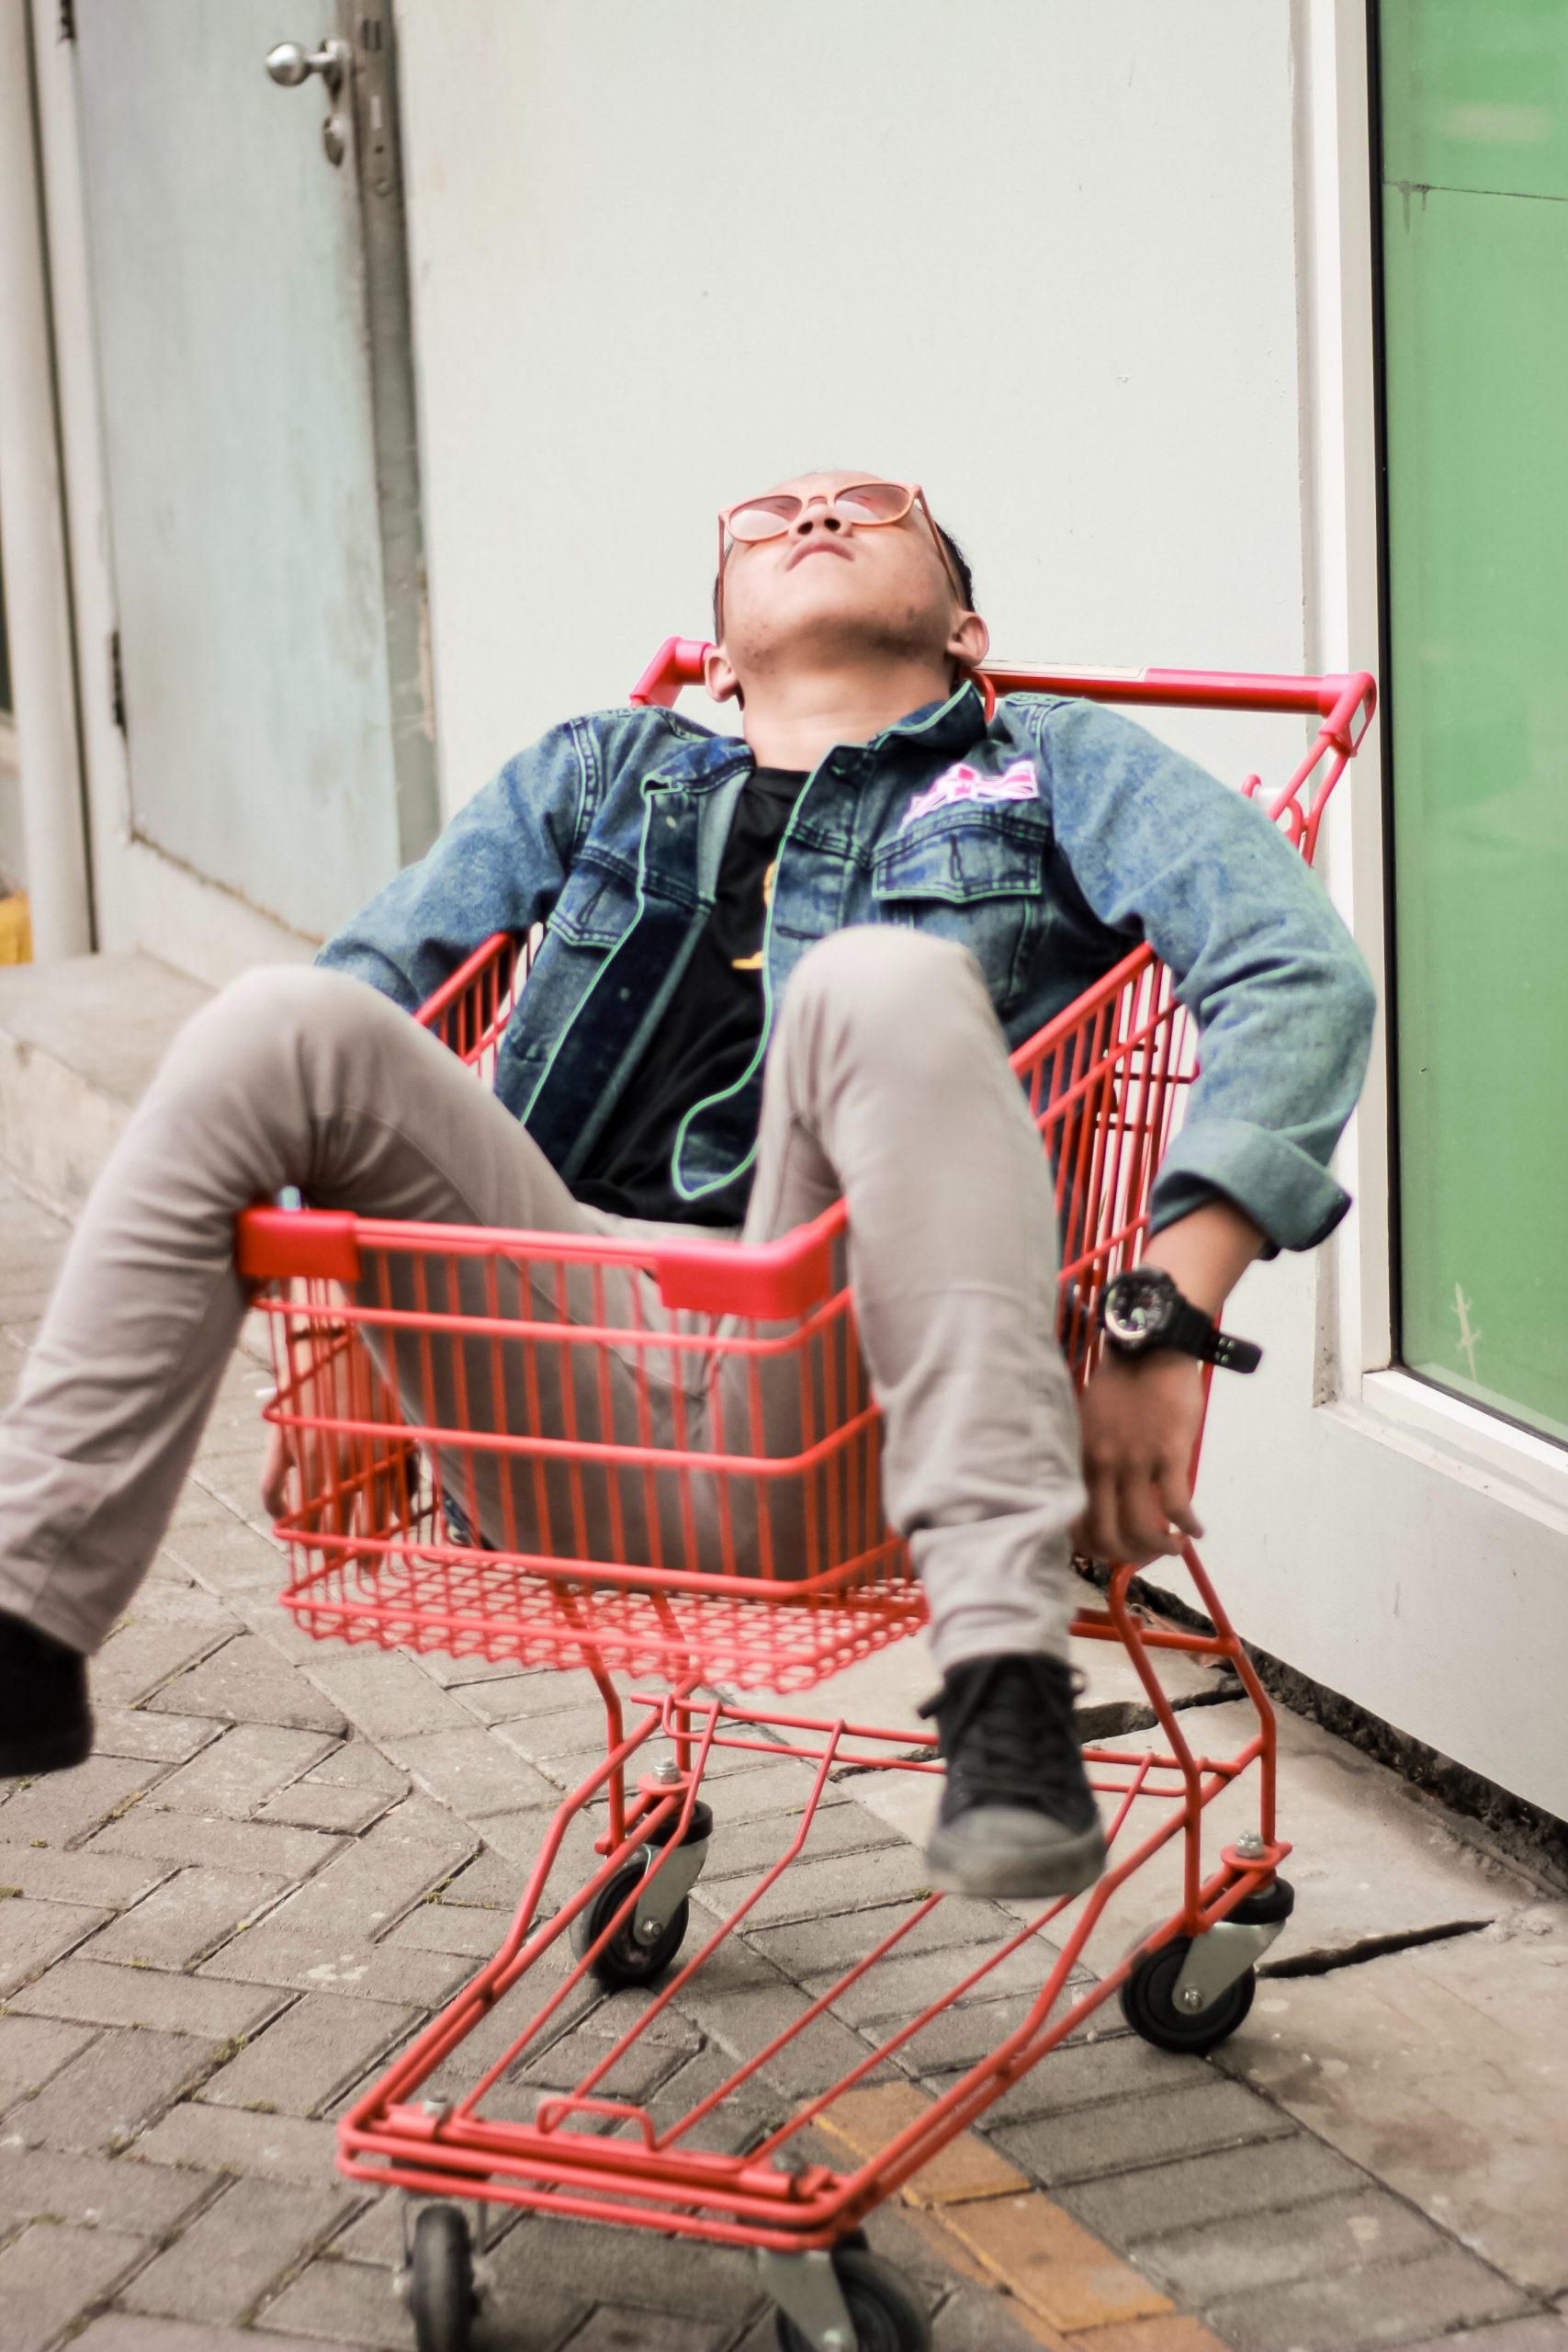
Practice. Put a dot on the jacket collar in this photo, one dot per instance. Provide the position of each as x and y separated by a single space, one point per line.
950 726
699 760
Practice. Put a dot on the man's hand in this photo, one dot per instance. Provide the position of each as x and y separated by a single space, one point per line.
1140 1423
321 1382
279 1462
1140 1416
353 1486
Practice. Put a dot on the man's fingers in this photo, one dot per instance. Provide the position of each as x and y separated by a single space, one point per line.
1175 1497
275 1474
1132 1515
1145 1526
1096 1532
1123 1521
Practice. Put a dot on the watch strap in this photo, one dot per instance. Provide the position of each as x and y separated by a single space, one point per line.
1230 1354
1192 1333
1197 1334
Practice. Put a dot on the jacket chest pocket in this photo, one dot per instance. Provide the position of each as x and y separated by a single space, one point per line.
966 880
597 907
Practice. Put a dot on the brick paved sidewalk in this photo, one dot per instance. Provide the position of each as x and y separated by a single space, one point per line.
282 1857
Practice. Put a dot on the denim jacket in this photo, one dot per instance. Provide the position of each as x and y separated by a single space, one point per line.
1047 842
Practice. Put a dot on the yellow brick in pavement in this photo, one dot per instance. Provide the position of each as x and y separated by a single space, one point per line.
967 2167
1052 2263
1172 2332
929 2224
980 2213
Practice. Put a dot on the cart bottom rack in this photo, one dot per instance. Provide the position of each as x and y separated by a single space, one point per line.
586 2104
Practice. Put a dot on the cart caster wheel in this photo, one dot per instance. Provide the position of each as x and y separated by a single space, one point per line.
1149 2007
441 2281
886 2315
624 1961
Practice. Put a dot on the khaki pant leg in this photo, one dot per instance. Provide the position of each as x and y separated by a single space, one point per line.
888 1082
289 1076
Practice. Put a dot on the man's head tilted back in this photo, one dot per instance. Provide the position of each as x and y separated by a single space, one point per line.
839 571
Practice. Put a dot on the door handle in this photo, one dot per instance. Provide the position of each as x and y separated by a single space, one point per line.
291 63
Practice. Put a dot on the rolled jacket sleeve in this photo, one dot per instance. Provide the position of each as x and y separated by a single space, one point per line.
1282 998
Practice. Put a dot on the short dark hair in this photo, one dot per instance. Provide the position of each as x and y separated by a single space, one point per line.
950 549
960 563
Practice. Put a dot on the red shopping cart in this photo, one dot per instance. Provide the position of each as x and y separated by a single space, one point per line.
640 1523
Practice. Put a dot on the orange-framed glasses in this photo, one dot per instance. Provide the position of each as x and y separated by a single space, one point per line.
859 505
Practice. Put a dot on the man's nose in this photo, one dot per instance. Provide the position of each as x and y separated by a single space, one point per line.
815 516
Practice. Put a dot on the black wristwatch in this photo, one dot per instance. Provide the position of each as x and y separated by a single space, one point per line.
1142 1310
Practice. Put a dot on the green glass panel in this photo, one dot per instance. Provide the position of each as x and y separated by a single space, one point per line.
1475 95
1476 317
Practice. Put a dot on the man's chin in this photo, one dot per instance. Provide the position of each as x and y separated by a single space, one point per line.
832 632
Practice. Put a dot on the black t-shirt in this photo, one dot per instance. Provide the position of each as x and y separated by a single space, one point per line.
708 1035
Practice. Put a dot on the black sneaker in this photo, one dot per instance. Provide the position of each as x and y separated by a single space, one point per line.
1018 1815
45 1724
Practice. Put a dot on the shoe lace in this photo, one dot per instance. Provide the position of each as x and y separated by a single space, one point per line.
1007 1727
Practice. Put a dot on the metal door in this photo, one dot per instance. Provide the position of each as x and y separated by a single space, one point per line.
250 297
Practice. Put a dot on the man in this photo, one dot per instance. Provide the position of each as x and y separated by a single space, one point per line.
776 968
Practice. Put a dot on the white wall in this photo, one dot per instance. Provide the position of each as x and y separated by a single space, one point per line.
1036 253
1390 1554
1400 1547
1100 276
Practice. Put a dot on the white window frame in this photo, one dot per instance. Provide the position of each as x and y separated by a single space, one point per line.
1355 1374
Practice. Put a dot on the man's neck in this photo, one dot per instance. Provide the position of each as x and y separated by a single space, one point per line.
793 719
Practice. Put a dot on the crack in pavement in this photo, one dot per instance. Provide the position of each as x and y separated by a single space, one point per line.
1324 1961
1116 1718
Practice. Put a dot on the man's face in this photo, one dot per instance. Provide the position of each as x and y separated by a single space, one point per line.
827 587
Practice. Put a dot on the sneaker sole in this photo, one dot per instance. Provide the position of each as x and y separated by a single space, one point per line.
1067 1867
52 1751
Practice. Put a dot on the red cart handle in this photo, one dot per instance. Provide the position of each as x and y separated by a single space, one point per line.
1342 701
1343 697
766 1279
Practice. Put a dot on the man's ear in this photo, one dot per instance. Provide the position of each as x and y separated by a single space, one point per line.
970 641
718 677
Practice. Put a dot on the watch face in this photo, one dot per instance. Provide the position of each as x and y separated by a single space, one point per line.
1137 1308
